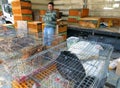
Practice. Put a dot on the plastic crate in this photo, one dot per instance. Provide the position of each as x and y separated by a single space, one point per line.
57 67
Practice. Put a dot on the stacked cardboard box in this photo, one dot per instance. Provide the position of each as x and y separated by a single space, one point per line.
58 13
35 28
21 10
76 14
42 13
111 21
90 22
62 31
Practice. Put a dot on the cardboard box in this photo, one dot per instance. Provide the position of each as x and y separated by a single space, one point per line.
87 24
23 17
58 13
72 20
90 22
84 13
43 25
79 12
22 11
74 12
21 4
42 12
62 28
114 21
40 18
35 26
64 36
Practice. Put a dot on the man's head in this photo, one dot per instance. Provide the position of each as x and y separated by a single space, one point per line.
50 6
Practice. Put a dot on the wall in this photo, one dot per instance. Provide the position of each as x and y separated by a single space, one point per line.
65 5
95 6
39 4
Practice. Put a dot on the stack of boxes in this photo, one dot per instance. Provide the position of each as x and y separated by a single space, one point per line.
35 28
21 10
90 22
61 29
76 14
42 13
73 16
58 13
111 21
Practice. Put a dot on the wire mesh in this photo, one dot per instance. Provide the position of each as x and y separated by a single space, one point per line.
23 47
7 31
5 78
21 69
58 67
15 47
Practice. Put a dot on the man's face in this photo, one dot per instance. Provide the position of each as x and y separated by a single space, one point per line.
50 7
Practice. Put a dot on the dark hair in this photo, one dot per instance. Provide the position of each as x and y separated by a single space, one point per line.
51 3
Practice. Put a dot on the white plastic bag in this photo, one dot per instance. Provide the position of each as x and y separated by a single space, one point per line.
71 40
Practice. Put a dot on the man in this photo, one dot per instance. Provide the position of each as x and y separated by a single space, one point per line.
50 24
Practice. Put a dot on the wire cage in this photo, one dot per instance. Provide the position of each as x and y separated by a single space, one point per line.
7 31
59 67
23 47
5 78
15 47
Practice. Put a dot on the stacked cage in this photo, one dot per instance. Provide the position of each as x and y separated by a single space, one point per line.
5 78
23 47
62 67
14 52
21 11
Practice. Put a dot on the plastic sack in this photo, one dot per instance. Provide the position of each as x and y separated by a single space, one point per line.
72 40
